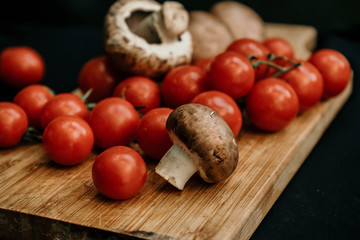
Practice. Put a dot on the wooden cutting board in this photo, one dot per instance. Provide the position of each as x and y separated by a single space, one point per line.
39 199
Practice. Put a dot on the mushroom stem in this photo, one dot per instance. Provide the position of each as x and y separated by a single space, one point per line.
165 25
176 166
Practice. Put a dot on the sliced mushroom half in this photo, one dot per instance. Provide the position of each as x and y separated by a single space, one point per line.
144 37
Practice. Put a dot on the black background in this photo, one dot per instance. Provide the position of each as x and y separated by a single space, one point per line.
322 201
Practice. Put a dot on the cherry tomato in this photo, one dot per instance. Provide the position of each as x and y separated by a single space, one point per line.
21 66
204 63
279 47
63 104
68 140
232 73
99 75
13 124
308 84
272 104
334 68
114 122
181 84
119 173
224 105
140 92
251 47
151 133
32 99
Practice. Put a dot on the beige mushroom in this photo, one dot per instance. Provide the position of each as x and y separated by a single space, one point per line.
202 142
241 20
210 36
143 37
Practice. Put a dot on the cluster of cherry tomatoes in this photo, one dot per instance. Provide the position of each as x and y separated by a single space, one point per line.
262 79
273 85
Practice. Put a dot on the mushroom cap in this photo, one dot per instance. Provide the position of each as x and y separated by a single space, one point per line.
132 54
241 20
209 35
207 138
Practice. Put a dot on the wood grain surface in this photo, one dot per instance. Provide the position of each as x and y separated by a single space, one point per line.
39 198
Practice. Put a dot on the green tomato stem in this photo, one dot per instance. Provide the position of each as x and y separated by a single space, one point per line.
32 135
255 62
86 95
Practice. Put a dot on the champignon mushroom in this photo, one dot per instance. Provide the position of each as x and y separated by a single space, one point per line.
240 19
210 36
202 142
143 37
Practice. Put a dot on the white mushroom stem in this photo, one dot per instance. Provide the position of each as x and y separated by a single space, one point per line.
165 25
176 166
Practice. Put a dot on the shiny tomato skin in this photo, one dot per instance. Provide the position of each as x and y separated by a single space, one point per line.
13 124
272 104
151 133
181 84
140 92
251 47
119 173
21 66
32 99
63 104
308 84
68 140
231 73
224 105
99 75
334 68
279 47
114 122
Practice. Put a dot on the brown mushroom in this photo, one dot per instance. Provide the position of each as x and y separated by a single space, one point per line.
241 20
202 142
143 37
210 36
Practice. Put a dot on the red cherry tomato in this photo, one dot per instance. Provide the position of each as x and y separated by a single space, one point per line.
308 84
152 135
99 75
334 68
181 84
279 47
63 104
272 104
204 63
224 105
32 99
140 92
21 66
13 124
232 73
119 173
251 47
68 140
114 122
